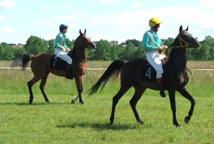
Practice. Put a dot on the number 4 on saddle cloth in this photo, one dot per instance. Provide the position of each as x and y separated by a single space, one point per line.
148 72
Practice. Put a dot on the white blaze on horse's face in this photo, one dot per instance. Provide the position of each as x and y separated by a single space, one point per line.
86 40
90 43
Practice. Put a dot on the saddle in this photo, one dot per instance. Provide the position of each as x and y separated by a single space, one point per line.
57 63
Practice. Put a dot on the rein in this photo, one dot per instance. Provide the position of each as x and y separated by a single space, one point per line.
181 45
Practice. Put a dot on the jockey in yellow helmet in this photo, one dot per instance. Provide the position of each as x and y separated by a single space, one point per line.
153 46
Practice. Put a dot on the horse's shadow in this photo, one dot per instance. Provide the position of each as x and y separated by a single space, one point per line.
97 126
27 104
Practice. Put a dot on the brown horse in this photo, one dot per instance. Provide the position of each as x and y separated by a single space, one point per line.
174 78
41 68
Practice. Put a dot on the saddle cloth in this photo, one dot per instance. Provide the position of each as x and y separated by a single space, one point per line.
57 63
148 73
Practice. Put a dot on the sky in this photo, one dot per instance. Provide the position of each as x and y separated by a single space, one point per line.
104 19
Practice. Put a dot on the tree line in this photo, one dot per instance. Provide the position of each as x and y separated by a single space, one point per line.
106 50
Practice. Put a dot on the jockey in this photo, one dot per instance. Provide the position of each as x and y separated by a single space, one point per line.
153 47
61 49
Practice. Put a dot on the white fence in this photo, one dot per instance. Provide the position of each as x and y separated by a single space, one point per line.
18 68
92 69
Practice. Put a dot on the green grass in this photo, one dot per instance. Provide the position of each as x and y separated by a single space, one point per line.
103 64
61 122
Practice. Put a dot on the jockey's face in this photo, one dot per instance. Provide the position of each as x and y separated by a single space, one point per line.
156 28
65 30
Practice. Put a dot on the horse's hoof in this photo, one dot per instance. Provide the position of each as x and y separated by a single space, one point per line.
72 101
81 101
177 125
111 123
186 120
30 102
140 122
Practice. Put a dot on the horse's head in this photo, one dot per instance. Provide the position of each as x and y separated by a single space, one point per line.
185 39
84 41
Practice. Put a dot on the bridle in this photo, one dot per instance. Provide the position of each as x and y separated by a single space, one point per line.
183 43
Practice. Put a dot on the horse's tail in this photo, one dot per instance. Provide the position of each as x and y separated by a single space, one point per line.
25 59
22 61
113 70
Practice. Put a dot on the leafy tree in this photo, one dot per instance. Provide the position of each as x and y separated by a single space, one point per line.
50 47
35 45
115 51
105 50
6 52
101 52
135 42
17 52
139 53
168 41
128 52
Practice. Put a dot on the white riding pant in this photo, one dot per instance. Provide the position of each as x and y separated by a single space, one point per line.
63 55
154 58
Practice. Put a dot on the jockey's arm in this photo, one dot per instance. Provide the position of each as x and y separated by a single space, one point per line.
68 49
62 47
162 48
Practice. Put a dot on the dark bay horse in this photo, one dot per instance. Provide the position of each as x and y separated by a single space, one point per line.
175 77
40 66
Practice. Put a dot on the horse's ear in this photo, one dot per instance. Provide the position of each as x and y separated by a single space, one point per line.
187 28
181 28
85 32
80 32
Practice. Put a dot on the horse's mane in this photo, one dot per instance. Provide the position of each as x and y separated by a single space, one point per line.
172 57
171 52
71 53
75 44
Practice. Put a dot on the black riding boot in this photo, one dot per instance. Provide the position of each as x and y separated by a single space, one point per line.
162 93
69 73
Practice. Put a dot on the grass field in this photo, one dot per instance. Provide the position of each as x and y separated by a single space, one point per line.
63 123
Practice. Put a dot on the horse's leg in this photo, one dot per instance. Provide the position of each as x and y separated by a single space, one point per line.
78 81
173 107
30 84
42 86
133 102
115 100
184 93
